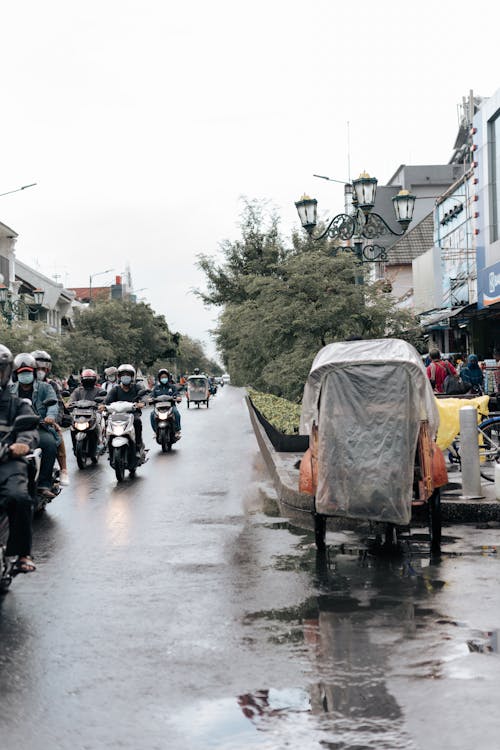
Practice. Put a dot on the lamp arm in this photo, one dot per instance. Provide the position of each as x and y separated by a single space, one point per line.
341 227
376 226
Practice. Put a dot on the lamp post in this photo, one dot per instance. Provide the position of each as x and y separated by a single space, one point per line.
99 273
363 222
15 308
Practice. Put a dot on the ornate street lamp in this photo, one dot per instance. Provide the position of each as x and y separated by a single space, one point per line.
363 222
15 308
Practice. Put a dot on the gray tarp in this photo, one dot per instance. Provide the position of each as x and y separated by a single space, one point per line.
367 398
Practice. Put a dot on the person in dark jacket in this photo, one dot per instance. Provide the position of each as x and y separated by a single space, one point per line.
128 390
165 386
472 375
14 494
27 386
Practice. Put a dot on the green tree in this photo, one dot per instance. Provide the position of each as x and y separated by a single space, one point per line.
276 316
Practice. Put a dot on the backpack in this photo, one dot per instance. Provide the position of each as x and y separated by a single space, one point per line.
454 385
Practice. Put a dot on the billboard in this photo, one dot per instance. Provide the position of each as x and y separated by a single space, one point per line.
488 285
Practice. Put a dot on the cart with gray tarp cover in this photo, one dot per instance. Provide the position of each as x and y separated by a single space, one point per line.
370 412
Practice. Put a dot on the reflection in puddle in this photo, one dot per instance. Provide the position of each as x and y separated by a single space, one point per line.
364 609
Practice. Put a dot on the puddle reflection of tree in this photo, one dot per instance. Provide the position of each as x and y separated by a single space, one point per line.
363 609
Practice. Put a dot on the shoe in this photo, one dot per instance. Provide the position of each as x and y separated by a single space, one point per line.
45 492
63 478
178 435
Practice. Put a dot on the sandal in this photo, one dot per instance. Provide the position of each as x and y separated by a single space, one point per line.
23 565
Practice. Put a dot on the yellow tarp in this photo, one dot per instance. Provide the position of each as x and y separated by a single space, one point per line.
449 416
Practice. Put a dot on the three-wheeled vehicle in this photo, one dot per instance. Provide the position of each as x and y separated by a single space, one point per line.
197 390
371 416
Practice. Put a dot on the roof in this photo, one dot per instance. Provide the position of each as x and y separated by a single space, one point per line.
414 243
82 293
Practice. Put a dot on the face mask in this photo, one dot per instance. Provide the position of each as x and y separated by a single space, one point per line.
126 379
112 378
41 374
25 378
164 381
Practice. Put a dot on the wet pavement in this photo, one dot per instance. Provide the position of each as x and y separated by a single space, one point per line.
179 611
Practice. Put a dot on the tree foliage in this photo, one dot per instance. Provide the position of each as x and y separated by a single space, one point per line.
281 305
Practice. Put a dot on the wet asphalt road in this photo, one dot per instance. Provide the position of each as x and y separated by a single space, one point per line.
178 611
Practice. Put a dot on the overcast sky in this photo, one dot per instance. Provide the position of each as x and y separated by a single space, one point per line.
144 122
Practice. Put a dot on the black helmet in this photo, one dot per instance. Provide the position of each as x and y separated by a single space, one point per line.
23 362
163 371
196 371
6 360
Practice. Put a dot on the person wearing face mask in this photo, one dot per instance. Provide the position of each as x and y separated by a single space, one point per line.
88 388
111 375
43 372
165 386
128 390
26 385
14 493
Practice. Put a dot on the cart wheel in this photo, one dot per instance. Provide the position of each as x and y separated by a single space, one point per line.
320 531
434 504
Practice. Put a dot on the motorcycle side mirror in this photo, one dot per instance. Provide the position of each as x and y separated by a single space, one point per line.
26 422
102 392
65 393
100 399
50 402
143 392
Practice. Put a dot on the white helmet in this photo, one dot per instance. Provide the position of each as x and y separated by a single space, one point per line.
126 370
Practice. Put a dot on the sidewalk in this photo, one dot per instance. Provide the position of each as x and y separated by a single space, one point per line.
455 509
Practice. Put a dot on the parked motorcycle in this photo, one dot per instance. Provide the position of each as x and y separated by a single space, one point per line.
120 436
23 422
86 431
165 421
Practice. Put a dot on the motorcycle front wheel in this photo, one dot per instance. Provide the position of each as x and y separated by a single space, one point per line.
119 461
81 458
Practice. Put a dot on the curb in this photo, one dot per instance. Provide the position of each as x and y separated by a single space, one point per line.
285 479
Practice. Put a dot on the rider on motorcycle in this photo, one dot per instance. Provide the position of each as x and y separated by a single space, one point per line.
43 369
26 386
88 388
128 390
14 472
111 375
166 387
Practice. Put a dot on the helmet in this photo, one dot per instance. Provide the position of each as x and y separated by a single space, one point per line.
6 360
196 371
126 370
88 378
23 362
110 371
42 359
163 371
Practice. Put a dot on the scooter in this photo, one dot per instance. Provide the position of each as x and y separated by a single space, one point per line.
86 431
164 421
23 422
120 435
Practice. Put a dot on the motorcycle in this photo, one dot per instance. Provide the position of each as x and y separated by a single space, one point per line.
165 421
86 431
120 436
23 422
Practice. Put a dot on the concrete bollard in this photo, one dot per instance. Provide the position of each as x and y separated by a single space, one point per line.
469 452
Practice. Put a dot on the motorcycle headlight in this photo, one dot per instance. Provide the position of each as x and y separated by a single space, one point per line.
163 415
82 425
118 429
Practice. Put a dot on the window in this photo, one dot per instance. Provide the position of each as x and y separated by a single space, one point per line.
494 156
